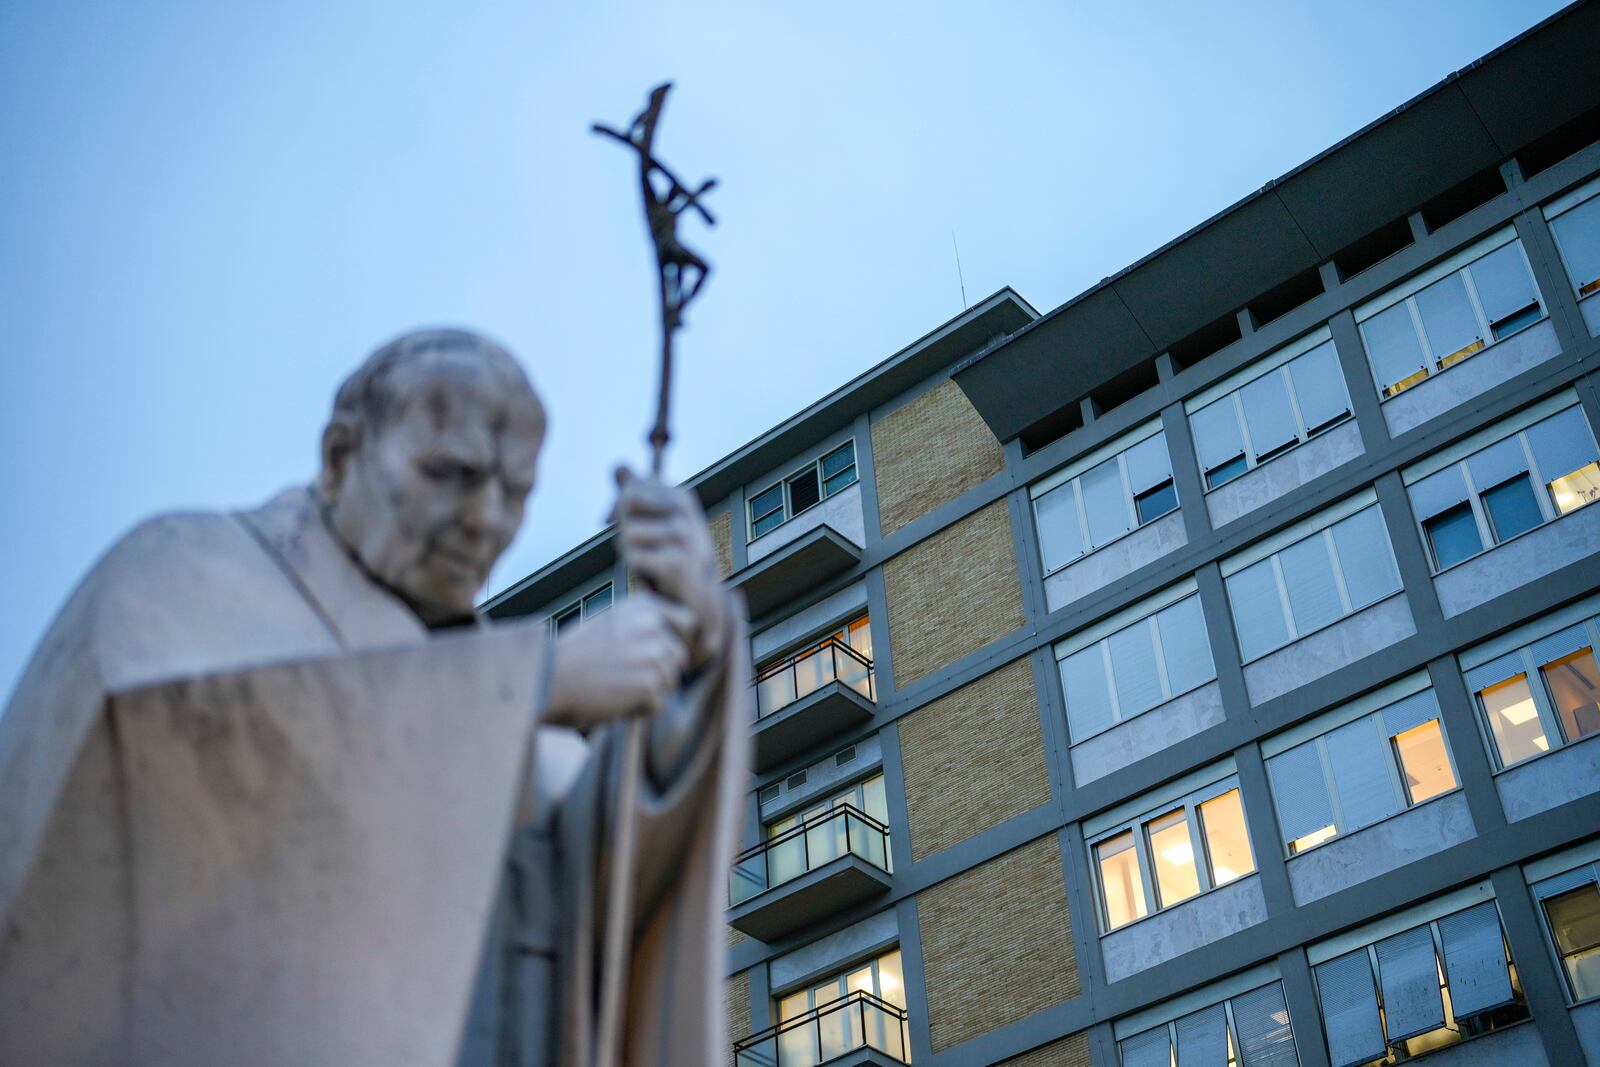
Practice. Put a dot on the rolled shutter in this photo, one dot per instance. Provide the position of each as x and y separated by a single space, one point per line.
1559 644
1299 791
1264 1036
1203 1038
1153 1048
1083 676
1475 960
1408 972
1350 1009
1360 759
1410 713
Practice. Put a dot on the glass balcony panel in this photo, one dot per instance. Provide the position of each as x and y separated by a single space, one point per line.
763 1053
749 877
812 671
867 844
783 683
773 692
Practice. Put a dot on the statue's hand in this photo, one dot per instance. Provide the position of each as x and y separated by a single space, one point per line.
624 662
665 541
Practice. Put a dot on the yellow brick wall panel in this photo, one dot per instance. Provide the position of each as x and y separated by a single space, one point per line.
952 593
929 452
736 990
722 540
973 759
997 944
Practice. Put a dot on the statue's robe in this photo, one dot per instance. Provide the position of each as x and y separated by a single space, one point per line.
124 940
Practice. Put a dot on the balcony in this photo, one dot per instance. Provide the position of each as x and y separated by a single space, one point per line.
820 866
795 569
810 698
857 1029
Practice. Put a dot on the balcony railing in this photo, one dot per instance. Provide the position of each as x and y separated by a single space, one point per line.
783 683
857 1021
810 843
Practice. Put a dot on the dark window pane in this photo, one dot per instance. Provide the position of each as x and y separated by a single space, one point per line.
1156 502
568 619
1448 320
842 480
596 602
765 504
1512 508
803 490
1452 536
1392 347
1505 289
1106 502
1319 387
1217 438
1267 414
1575 924
838 460
1227 472
1578 233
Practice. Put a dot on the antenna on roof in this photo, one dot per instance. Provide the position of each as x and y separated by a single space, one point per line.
959 277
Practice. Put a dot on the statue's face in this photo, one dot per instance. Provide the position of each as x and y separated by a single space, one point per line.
432 496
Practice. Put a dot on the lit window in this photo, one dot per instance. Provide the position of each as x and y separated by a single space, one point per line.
1310 583
1283 407
803 489
1361 772
824 830
1094 507
1577 234
1198 845
864 1007
1573 682
842 656
1451 319
1493 494
1514 720
1574 918
1421 989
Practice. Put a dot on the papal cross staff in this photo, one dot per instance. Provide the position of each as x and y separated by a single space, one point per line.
682 273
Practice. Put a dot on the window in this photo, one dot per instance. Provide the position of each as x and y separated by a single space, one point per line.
1135 668
863 1007
1360 772
1089 509
1541 696
1570 904
585 608
1311 583
1507 488
845 655
1577 234
1247 1030
1178 852
1451 318
1418 990
806 487
1286 406
824 839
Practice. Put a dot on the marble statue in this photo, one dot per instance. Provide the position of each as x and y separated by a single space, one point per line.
272 792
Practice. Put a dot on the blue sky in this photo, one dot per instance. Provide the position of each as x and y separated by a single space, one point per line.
211 212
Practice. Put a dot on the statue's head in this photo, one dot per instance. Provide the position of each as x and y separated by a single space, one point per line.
427 463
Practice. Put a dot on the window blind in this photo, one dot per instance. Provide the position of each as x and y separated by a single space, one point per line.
1203 1038
1500 461
1153 1048
1257 609
1106 503
1133 669
1267 413
1299 791
1365 558
1148 463
1411 712
1263 1034
1319 386
1408 972
1360 761
1350 1009
1475 959
1313 590
1184 645
1559 644
1083 675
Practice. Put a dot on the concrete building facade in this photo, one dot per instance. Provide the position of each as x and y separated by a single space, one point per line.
1204 672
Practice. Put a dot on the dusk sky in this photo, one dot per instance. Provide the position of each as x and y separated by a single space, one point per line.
213 211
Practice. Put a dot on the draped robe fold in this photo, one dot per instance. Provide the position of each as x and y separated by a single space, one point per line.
202 597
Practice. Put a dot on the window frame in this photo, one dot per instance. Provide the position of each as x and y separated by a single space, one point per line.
1394 767
1138 826
1073 486
1303 433
814 467
580 605
1587 194
1458 266
1341 583
1527 666
1231 1033
1586 874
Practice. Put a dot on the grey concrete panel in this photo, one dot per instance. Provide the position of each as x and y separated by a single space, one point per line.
842 511
1142 735
791 630
1591 315
1569 539
839 948
1520 1045
1472 377
1330 648
1285 473
825 776
1542 783
1367 853
1586 1020
1120 558
1184 928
